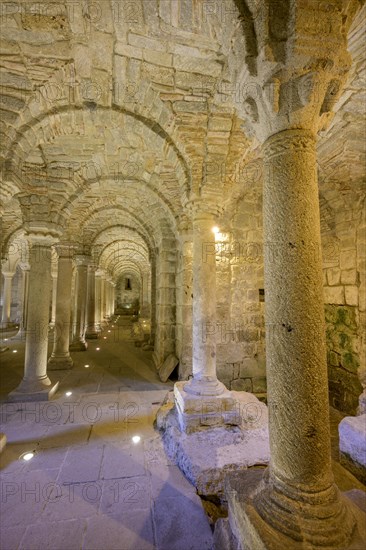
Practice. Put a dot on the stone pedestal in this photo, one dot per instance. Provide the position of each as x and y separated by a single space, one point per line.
198 411
352 445
35 384
60 358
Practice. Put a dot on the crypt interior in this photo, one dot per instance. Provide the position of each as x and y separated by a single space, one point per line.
183 254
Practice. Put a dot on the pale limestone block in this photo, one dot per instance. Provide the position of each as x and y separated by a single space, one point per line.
334 295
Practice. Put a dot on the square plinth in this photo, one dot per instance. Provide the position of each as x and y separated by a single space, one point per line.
40 395
196 411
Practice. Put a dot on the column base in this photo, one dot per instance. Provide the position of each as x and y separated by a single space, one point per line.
199 411
252 532
92 335
33 391
78 346
60 363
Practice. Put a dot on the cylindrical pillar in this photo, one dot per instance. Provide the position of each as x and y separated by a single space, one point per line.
60 358
91 328
54 299
79 343
36 384
8 278
102 299
98 298
24 266
204 381
299 496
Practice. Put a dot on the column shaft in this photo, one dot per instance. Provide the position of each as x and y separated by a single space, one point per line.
300 467
54 299
79 343
8 278
60 358
35 383
91 330
204 381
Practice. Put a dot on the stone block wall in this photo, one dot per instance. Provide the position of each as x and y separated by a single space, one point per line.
344 259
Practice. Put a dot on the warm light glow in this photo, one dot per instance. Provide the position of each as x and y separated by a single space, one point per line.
86 366
104 338
15 351
109 330
5 339
97 349
68 393
215 229
136 439
27 456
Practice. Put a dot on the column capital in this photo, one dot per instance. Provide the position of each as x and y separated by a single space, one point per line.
82 260
42 233
295 81
24 266
66 250
8 274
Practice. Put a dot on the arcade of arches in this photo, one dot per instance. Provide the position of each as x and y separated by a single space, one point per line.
198 169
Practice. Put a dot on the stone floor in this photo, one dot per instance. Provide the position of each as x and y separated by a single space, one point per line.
99 478
91 485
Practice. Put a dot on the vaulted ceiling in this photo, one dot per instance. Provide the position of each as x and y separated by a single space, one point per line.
120 112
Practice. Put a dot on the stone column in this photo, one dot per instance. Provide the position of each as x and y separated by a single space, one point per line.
102 299
98 298
79 343
24 266
298 496
60 358
54 298
204 380
36 385
91 327
145 304
204 391
8 278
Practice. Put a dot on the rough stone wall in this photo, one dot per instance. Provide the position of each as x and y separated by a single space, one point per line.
344 253
124 296
240 330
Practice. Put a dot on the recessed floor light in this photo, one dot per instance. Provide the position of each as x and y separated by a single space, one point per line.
68 393
136 439
27 456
